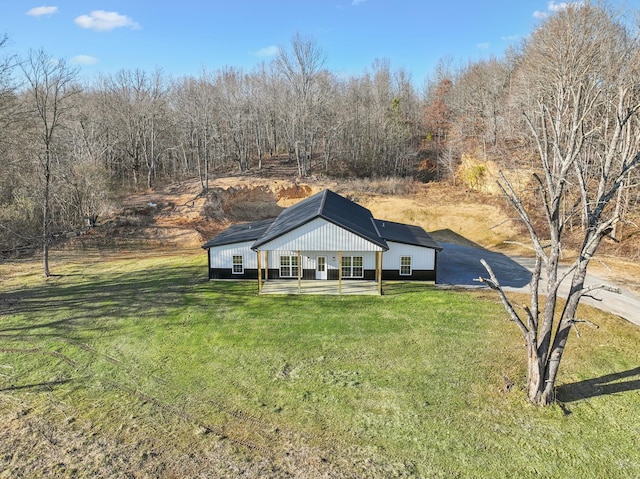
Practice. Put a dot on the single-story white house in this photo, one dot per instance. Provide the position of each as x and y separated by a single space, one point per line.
323 237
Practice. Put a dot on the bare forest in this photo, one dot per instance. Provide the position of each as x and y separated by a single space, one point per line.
70 148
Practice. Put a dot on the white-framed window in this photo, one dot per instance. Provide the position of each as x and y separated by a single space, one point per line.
238 264
288 266
405 266
352 267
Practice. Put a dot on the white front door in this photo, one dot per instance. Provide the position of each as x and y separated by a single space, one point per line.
321 267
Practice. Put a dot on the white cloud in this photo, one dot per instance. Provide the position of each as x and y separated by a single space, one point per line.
554 7
38 11
483 46
510 38
355 3
270 51
84 60
105 21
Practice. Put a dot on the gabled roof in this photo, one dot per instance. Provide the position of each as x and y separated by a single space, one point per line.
407 234
331 207
240 233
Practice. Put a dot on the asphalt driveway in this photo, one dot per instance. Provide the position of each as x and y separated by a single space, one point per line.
460 266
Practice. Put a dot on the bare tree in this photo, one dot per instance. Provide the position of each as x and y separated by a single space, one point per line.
135 107
578 78
233 102
301 66
9 106
438 116
13 219
86 189
477 98
195 109
51 85
259 111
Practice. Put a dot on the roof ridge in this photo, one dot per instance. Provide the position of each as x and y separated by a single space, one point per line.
375 227
322 203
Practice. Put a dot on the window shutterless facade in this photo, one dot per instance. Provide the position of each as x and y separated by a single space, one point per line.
405 266
238 264
352 267
288 266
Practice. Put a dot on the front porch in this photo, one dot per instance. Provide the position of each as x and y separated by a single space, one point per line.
328 287
320 272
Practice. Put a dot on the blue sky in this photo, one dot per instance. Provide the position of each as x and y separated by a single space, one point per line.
184 37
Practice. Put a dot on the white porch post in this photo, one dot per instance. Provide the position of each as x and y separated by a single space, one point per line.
259 272
299 272
379 270
339 272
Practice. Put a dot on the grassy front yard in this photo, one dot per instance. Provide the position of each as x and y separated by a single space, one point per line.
140 366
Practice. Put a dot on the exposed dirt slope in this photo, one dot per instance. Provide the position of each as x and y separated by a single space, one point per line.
181 215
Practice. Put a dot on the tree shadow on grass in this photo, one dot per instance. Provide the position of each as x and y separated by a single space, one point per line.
47 386
601 386
114 302
96 302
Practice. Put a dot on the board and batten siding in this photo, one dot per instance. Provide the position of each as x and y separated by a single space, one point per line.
320 235
421 258
222 256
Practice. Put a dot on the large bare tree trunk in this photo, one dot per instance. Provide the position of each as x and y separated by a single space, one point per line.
586 133
45 215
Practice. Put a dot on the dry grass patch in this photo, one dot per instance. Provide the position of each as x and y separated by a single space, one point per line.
438 207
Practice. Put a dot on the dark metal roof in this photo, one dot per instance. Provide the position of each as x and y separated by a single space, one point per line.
407 234
240 233
330 206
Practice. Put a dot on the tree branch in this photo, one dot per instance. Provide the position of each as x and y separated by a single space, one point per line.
514 199
493 283
603 287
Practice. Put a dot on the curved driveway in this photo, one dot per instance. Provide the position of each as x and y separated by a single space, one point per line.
460 266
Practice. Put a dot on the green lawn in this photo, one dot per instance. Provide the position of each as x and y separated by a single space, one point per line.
141 367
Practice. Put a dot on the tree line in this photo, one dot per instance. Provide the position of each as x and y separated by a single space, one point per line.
66 146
